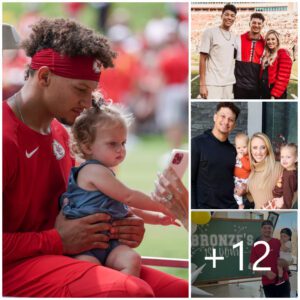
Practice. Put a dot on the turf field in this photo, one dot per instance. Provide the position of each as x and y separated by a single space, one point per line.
292 87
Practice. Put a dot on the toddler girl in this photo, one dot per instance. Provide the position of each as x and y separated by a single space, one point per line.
242 165
285 188
285 259
99 137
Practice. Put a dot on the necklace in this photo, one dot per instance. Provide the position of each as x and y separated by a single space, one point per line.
18 108
223 33
17 104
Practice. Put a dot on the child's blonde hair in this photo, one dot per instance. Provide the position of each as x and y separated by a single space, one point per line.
241 135
290 146
102 114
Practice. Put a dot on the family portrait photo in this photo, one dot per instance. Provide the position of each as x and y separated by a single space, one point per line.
245 50
237 241
244 155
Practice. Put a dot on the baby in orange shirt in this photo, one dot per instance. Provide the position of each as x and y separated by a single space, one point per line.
242 165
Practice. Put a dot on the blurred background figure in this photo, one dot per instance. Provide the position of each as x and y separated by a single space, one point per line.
13 72
14 60
172 108
73 9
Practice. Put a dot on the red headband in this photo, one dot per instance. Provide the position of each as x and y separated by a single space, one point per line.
77 67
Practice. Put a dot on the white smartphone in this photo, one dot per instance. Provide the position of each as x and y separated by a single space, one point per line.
179 161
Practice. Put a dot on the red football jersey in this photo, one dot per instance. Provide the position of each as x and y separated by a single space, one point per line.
35 173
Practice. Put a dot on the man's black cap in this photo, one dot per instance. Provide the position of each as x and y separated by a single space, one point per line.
267 222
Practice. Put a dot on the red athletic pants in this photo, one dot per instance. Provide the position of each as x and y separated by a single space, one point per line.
62 276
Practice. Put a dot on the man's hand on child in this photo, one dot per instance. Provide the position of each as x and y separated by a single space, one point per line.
129 231
83 234
270 275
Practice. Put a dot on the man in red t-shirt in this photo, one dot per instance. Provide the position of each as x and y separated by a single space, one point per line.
269 278
64 70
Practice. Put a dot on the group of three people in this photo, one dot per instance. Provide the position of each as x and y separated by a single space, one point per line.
247 66
215 162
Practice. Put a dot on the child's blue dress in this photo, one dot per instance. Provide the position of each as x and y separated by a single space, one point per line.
83 203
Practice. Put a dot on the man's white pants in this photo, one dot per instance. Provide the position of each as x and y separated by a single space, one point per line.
220 92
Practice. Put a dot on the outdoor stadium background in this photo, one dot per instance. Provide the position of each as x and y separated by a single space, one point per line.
281 16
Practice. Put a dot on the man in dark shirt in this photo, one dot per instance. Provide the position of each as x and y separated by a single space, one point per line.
213 161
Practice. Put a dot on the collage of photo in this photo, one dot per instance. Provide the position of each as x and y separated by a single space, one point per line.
150 149
244 153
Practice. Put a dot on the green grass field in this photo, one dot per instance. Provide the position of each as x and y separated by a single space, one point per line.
139 171
139 13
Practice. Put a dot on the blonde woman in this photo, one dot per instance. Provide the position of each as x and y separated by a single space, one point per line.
276 68
265 171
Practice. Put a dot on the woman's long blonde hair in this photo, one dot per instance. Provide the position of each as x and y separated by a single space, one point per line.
269 56
269 160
